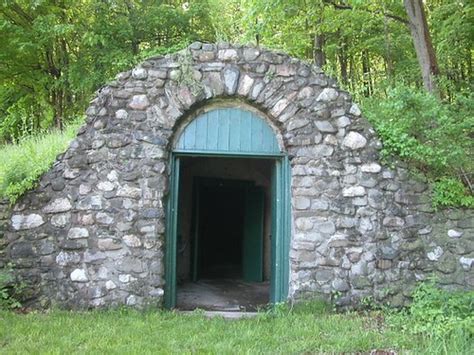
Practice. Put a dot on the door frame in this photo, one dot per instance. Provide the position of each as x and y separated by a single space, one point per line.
281 222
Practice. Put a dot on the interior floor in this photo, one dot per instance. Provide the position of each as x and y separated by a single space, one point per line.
229 295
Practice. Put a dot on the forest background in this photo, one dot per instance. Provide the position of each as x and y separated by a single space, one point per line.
409 63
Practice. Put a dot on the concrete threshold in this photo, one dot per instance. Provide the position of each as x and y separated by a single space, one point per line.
223 314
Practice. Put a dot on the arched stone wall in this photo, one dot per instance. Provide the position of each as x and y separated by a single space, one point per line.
92 233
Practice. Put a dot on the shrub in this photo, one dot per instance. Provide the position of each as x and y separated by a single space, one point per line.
10 289
444 316
432 137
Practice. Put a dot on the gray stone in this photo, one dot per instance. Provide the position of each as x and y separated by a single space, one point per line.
29 221
90 203
395 222
343 122
108 244
325 126
78 233
58 205
354 141
340 285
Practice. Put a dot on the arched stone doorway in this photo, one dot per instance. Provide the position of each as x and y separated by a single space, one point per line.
229 205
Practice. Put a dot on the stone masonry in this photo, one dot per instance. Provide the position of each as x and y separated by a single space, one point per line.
92 233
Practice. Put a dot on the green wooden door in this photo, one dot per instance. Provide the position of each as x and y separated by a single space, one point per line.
252 248
235 132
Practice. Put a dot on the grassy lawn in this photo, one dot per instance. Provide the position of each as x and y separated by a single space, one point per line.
307 329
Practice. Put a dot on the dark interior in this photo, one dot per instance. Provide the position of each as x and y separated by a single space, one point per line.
220 223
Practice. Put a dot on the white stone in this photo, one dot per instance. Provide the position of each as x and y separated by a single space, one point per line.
466 262
60 220
110 285
105 186
302 203
452 233
112 176
58 205
278 108
371 168
355 110
231 77
245 85
304 224
121 114
227 54
65 258
104 218
297 123
354 141
29 221
132 241
435 254
305 93
79 275
353 191
326 227
131 300
328 94
84 189
125 278
129 191
78 233
139 73
139 102
331 140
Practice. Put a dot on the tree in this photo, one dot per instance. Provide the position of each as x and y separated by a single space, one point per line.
423 45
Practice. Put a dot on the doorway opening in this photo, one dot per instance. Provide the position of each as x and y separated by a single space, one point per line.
224 224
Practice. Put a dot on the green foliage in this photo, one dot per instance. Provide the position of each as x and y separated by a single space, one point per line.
22 164
446 317
10 289
433 137
451 192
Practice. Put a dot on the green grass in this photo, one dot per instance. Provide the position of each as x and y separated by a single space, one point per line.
134 332
22 164
306 329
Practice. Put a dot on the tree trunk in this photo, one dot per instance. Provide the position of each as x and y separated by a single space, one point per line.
342 56
422 42
366 75
318 52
